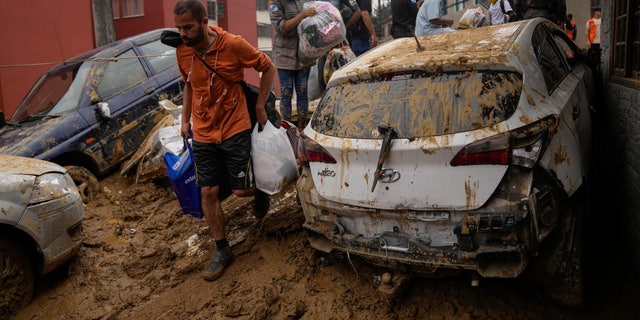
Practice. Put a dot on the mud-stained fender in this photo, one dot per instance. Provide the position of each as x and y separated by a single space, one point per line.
563 159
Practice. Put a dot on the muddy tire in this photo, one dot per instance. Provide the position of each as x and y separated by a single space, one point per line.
16 278
87 183
563 255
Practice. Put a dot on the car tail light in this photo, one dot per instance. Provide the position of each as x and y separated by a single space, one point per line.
522 146
311 151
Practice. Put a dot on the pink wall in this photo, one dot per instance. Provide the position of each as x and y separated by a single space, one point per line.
35 36
241 20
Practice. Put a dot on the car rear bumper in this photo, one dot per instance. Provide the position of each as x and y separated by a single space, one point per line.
494 241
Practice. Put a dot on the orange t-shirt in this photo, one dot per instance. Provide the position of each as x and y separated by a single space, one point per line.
218 106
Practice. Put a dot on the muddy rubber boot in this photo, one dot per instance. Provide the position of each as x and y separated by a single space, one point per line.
221 259
260 204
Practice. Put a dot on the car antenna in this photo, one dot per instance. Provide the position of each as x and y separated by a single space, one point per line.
419 48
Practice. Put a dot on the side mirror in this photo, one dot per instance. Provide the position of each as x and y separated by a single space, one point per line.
103 109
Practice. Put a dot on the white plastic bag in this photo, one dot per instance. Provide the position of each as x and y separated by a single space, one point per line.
320 32
274 163
472 18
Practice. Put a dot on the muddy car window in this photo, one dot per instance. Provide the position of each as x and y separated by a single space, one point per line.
418 104
53 93
125 72
551 64
161 56
569 52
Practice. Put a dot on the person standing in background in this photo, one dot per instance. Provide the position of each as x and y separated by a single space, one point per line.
500 12
362 34
403 15
293 74
593 30
429 20
570 28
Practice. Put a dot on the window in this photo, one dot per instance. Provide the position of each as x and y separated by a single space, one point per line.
262 4
115 7
264 30
123 73
161 56
567 47
626 39
444 7
132 8
424 104
459 4
212 12
551 64
220 10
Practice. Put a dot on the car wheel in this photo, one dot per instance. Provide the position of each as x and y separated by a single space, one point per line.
16 278
562 254
87 183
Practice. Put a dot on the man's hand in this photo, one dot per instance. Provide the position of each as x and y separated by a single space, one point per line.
185 130
308 12
261 115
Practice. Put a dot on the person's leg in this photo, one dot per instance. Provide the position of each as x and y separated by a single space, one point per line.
212 210
208 161
237 151
360 46
286 92
302 100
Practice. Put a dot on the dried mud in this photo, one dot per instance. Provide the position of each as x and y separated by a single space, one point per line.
142 259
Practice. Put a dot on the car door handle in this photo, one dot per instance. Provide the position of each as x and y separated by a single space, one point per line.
576 112
149 90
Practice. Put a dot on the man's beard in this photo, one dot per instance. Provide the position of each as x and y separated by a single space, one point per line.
192 42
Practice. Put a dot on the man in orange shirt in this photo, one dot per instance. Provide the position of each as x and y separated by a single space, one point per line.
570 27
221 127
593 30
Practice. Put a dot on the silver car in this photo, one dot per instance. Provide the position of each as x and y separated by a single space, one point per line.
465 151
40 225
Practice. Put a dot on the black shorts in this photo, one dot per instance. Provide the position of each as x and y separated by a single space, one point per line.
230 160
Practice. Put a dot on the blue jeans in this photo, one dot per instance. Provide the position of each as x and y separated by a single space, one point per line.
360 46
289 78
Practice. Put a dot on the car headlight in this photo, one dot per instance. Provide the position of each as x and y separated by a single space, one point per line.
51 186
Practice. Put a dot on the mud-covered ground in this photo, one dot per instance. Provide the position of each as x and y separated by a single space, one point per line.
142 259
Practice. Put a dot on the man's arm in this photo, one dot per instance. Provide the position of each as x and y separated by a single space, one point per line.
366 18
185 127
355 8
266 81
441 22
295 21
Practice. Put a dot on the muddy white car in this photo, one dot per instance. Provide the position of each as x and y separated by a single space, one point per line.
466 151
40 225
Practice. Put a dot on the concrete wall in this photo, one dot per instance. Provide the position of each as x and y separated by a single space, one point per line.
619 123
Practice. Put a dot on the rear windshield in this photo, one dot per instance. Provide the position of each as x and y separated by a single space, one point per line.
418 104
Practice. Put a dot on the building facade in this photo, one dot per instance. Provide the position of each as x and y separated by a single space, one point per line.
72 29
619 121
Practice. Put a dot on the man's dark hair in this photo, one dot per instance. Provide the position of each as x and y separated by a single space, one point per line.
194 6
